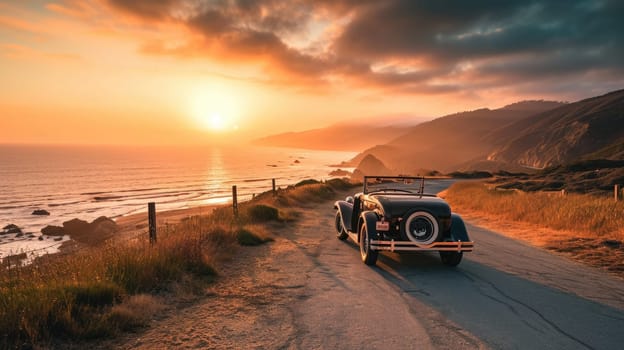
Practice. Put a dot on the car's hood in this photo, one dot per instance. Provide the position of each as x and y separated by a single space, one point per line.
398 205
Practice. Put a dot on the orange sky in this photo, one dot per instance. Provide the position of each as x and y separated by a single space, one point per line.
171 72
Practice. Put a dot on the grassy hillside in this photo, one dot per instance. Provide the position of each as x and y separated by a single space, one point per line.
566 134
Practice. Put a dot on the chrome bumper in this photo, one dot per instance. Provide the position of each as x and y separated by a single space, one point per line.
413 246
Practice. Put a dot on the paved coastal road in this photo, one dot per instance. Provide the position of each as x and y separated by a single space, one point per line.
504 295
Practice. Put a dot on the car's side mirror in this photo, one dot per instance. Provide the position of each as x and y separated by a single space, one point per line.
349 199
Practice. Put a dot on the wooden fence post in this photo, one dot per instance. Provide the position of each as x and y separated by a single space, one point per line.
273 183
151 216
616 192
234 202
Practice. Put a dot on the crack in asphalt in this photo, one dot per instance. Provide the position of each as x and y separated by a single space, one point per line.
535 311
511 308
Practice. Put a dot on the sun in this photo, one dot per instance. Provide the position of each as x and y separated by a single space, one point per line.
216 122
215 109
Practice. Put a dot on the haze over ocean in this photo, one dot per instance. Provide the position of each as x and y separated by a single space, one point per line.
86 182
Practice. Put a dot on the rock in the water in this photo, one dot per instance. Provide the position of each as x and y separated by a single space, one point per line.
81 231
40 238
19 235
52 230
95 232
12 228
40 212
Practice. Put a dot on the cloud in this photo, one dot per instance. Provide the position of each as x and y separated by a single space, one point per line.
421 46
151 9
502 42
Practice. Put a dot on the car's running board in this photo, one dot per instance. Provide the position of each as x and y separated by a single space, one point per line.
407 245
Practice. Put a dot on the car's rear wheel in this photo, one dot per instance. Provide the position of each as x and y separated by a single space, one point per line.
451 258
340 230
369 256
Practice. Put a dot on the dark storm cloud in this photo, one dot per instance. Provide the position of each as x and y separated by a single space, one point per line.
521 38
473 29
454 42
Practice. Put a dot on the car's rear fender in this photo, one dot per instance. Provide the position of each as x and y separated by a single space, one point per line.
368 218
458 229
346 211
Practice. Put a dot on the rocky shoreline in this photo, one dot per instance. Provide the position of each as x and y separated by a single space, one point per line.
79 231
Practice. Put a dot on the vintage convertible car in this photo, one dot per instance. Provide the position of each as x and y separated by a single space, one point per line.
393 214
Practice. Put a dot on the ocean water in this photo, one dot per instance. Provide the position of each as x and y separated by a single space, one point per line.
88 182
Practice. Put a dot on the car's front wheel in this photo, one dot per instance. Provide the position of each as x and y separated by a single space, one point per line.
369 256
340 230
451 258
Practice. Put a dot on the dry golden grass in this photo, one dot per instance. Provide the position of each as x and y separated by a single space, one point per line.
83 295
586 214
585 227
93 293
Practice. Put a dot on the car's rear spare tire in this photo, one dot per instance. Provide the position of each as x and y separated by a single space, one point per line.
451 258
421 227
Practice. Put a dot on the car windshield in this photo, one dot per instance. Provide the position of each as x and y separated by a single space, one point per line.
394 184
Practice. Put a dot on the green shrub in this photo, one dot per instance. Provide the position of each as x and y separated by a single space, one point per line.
95 294
262 213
